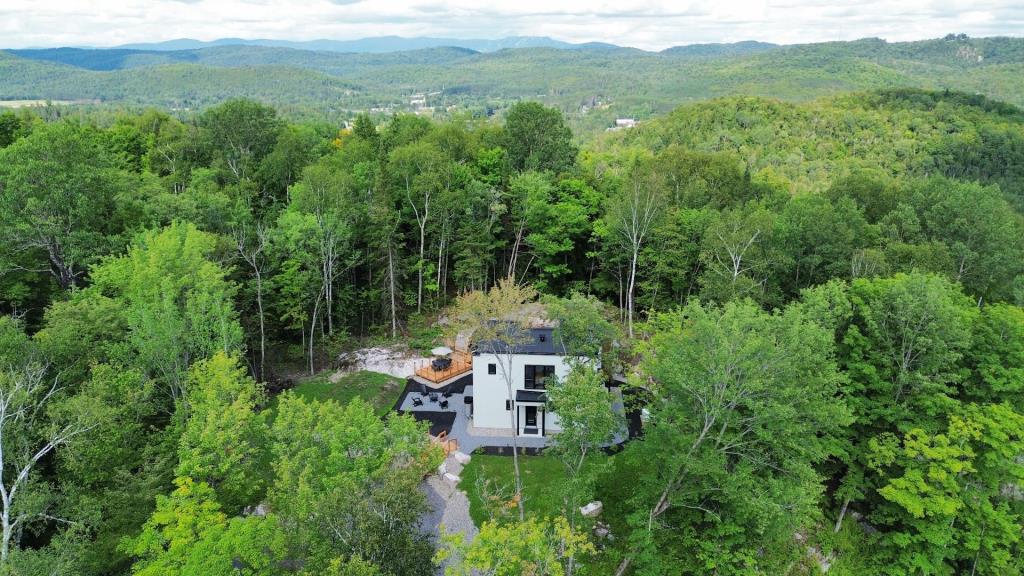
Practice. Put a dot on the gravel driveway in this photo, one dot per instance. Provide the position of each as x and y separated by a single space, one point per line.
450 506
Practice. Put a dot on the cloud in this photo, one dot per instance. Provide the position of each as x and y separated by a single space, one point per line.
649 24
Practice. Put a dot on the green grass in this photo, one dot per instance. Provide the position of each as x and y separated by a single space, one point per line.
490 475
851 546
542 476
380 390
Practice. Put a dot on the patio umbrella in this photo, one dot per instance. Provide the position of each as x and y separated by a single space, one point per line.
441 351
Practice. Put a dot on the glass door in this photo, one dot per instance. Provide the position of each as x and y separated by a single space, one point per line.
531 416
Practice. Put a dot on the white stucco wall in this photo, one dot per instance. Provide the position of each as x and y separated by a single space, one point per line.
490 391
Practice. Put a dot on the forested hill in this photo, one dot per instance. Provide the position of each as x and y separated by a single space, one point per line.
592 84
894 133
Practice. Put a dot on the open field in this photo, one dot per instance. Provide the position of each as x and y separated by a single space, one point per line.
41 103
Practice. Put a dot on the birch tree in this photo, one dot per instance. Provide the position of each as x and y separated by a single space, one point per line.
252 249
414 166
26 437
632 214
499 320
736 254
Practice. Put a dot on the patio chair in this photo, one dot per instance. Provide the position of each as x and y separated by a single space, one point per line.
433 397
417 401
446 394
444 404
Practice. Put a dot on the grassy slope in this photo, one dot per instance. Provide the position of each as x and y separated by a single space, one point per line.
540 475
380 390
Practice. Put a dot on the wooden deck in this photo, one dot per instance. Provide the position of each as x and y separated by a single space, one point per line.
462 362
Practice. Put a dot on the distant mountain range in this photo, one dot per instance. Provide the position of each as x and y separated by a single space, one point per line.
374 45
384 44
593 82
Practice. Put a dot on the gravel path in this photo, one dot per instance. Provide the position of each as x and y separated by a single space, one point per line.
450 506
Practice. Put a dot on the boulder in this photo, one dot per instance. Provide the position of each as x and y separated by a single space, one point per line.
592 509
461 458
452 478
442 469
258 510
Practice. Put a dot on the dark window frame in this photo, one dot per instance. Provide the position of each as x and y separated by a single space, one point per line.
492 368
535 379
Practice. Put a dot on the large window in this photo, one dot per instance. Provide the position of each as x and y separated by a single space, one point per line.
536 376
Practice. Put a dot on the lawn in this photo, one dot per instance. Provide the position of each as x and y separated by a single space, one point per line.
380 390
542 476
490 475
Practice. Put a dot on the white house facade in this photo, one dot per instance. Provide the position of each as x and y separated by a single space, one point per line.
531 367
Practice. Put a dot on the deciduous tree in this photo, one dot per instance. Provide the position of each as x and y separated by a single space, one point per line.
747 408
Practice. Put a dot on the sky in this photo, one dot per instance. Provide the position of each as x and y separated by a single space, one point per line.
647 24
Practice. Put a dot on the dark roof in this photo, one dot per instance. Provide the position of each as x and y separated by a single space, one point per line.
536 396
540 341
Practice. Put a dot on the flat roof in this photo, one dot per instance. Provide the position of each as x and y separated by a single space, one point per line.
539 341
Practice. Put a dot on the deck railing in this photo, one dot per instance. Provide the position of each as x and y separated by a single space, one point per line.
462 362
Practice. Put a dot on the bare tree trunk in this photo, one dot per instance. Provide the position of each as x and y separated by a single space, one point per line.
630 288
8 532
440 257
515 435
443 286
513 261
252 258
419 265
842 514
62 272
312 331
329 288
391 290
421 220
263 337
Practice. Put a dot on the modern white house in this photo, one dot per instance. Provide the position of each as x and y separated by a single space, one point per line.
531 363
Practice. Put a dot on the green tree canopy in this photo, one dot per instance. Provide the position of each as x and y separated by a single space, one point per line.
538 139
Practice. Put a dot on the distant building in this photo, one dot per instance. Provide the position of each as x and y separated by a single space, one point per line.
622 124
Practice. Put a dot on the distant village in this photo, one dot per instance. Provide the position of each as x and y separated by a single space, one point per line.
430 104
